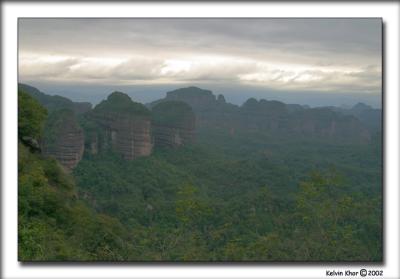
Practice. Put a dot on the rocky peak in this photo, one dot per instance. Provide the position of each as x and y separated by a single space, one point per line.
221 99
264 107
126 125
361 107
196 97
120 103
251 103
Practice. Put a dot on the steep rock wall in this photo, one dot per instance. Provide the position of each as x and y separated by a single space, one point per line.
63 138
173 124
126 125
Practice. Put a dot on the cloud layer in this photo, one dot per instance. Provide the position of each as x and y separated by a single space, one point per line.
342 55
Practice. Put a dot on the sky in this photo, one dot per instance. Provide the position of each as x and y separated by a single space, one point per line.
308 61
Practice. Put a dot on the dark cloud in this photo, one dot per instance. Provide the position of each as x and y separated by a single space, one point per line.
303 35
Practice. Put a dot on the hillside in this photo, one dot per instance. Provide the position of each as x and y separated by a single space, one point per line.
53 223
55 102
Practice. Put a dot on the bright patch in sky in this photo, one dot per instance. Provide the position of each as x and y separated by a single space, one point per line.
173 66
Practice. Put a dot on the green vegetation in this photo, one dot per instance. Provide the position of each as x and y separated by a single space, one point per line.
31 116
243 202
52 103
53 223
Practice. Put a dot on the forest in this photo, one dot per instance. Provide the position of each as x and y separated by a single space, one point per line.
251 183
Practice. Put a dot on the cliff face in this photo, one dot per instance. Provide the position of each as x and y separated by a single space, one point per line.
210 111
63 138
173 124
271 117
326 123
125 125
370 117
129 128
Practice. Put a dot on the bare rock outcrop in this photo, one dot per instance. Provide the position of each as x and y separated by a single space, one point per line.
63 138
325 123
274 117
125 125
173 124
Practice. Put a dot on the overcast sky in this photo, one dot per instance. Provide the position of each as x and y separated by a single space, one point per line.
326 56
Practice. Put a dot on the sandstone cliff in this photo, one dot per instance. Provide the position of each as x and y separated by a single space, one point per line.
173 124
63 138
273 117
325 123
125 126
210 111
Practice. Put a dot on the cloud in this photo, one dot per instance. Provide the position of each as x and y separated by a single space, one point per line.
39 67
312 54
367 80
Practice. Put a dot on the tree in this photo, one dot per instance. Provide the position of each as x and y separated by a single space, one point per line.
31 116
325 227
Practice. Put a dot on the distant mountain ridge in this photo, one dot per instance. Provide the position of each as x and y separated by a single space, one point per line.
117 123
276 117
55 102
133 130
370 117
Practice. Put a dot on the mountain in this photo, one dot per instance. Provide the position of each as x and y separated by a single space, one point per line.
123 125
55 102
370 117
54 224
196 97
131 129
268 116
173 124
60 136
117 124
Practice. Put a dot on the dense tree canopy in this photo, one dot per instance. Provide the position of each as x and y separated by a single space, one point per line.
31 116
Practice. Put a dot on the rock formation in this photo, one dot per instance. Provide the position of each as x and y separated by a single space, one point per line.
125 125
370 117
63 138
273 117
196 97
325 123
173 124
210 111
129 128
